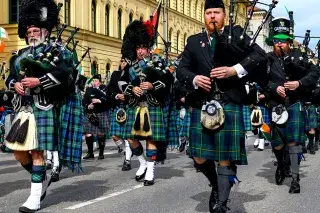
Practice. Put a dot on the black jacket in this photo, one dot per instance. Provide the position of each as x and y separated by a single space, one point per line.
97 93
197 59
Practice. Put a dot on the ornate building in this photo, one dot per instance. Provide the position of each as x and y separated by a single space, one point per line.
102 25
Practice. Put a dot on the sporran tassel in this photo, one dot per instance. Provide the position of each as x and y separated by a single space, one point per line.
146 126
13 131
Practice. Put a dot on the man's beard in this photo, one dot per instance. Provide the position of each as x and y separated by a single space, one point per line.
281 51
215 27
36 41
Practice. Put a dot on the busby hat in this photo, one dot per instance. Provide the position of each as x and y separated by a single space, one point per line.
38 13
213 4
97 76
137 33
281 28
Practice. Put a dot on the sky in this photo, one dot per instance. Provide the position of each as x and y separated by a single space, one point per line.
305 14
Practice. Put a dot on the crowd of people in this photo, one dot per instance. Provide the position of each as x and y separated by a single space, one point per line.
202 102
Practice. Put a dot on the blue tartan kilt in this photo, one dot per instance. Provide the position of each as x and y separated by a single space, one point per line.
247 118
292 130
47 128
184 124
173 134
165 112
156 121
116 129
226 144
310 118
102 128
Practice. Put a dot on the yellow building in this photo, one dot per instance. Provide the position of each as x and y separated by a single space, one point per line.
102 24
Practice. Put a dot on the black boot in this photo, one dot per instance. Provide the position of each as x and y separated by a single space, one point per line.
304 149
126 165
311 143
208 168
295 155
89 141
295 186
55 174
102 144
316 141
280 172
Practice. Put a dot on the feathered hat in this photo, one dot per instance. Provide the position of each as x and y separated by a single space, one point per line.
137 33
38 13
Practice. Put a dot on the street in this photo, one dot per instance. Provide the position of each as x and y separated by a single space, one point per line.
104 188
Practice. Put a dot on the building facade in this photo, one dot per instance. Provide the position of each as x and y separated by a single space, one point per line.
102 25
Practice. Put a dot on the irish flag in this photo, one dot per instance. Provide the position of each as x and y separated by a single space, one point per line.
266 131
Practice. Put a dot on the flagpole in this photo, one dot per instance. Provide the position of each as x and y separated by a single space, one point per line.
165 24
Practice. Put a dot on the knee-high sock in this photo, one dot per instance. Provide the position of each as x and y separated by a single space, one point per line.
295 158
208 168
38 174
55 159
49 155
28 167
226 179
89 141
279 156
128 150
151 157
102 144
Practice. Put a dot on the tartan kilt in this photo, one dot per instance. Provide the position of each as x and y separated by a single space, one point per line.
165 111
173 134
184 124
225 144
102 128
266 114
292 130
247 118
156 121
116 129
310 118
47 128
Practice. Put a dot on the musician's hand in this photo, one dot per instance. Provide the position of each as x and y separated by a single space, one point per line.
223 72
281 91
91 106
146 86
203 81
30 82
137 91
120 97
291 85
183 100
261 96
19 88
96 101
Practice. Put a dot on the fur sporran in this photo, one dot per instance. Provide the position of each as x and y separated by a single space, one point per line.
212 115
121 115
142 125
279 114
256 117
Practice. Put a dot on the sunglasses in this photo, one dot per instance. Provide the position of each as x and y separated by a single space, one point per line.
275 41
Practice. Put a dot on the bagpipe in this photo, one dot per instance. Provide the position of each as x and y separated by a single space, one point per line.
230 49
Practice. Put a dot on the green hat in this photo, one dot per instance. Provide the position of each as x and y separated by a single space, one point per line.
279 29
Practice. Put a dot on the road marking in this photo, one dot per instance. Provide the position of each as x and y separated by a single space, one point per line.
105 153
80 205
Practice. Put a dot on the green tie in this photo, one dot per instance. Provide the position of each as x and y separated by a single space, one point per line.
213 42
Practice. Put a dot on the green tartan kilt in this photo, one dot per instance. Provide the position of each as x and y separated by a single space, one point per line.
310 118
247 118
292 130
165 112
116 129
226 144
47 128
156 121
184 124
173 134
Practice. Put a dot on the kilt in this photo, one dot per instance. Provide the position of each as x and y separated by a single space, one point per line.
183 125
292 130
173 134
266 114
165 111
47 128
247 118
310 117
156 120
102 128
116 129
226 144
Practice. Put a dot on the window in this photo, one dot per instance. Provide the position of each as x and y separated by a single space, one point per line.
93 16
107 19
14 7
108 75
178 40
130 17
119 23
94 68
67 12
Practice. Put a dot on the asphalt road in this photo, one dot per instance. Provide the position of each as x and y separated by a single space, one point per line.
104 188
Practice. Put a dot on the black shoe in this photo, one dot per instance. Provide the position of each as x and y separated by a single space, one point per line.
213 200
55 176
140 177
27 210
182 146
120 149
219 208
88 156
304 150
295 187
148 182
48 166
259 150
126 165
280 175
100 157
